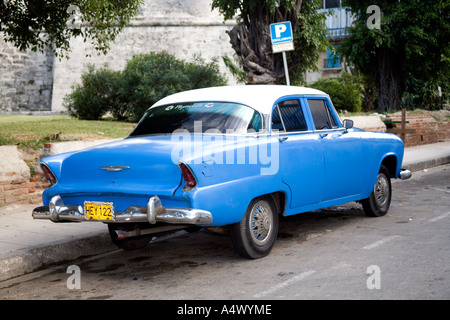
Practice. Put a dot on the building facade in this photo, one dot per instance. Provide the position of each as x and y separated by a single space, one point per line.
339 19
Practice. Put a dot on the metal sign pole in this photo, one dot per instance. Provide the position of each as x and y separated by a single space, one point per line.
286 71
282 39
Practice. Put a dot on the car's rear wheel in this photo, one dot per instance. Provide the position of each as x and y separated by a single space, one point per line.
377 204
255 235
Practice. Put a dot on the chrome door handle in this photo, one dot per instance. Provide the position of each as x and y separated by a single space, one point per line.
282 139
323 135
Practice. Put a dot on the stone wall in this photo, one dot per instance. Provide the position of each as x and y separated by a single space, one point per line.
26 80
210 41
38 82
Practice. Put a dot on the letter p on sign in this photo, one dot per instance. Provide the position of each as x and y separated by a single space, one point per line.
281 32
279 29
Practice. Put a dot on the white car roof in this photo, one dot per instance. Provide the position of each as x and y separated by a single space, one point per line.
259 97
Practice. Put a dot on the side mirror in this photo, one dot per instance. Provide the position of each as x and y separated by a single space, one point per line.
348 124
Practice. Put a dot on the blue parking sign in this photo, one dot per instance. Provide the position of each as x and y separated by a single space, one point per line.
281 32
281 36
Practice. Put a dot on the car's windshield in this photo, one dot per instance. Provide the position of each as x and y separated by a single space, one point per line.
199 117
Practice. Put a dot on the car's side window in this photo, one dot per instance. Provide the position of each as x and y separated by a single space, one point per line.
288 116
255 123
276 119
322 115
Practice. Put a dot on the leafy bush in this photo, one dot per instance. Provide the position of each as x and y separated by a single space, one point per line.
150 77
344 92
146 79
95 96
424 94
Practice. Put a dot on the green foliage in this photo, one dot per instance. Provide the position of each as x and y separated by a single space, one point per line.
310 37
42 24
345 92
95 96
146 79
150 77
425 95
412 43
202 74
235 68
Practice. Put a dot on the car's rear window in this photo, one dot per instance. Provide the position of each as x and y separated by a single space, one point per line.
199 117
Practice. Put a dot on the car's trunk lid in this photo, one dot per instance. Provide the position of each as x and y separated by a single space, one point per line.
140 165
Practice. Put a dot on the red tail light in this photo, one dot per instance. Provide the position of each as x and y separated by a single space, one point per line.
48 175
188 177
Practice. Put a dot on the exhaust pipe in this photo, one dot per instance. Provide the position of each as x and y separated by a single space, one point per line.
122 234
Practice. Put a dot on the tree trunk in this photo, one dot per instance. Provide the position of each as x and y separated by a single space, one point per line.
390 81
251 41
256 57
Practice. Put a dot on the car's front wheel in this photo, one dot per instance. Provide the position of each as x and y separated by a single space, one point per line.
255 235
377 204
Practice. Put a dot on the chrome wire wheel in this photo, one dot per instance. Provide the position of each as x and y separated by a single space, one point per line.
377 204
381 190
261 222
255 235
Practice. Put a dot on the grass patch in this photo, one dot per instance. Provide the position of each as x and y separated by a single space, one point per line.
30 133
33 131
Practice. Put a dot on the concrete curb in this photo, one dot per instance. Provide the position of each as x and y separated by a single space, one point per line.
32 260
426 156
427 164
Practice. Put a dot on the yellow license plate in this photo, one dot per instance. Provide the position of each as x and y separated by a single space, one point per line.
102 211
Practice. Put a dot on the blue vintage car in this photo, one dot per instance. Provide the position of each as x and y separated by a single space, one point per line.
237 156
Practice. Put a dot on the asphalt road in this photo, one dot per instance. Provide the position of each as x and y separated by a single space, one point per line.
337 253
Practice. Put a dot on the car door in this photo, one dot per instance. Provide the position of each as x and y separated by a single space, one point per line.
301 155
342 148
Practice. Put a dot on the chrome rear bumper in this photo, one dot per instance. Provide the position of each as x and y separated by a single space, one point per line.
154 212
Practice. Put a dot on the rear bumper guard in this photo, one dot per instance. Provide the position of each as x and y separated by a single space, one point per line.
405 174
154 212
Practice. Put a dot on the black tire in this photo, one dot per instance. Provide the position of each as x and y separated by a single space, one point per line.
377 204
254 237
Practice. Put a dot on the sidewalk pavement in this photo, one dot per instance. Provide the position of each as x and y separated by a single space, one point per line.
27 245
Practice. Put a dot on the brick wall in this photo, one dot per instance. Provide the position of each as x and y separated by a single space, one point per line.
22 191
428 130
17 186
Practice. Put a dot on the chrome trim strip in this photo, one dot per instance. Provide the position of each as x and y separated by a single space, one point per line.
56 211
114 168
